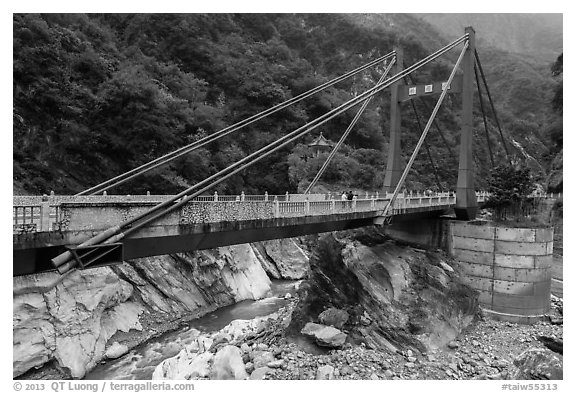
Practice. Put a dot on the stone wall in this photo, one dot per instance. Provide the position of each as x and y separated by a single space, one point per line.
194 213
510 267
92 216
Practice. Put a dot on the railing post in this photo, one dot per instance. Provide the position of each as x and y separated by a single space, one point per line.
276 207
242 196
215 196
44 214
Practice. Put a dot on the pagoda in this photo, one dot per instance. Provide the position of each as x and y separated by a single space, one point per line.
320 144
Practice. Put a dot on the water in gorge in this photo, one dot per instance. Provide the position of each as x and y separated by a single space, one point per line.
140 362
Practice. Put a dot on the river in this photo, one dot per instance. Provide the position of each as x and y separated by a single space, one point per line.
140 362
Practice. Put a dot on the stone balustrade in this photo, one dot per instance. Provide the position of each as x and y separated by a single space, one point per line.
60 213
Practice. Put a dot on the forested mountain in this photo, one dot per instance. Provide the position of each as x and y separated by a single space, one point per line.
96 95
539 35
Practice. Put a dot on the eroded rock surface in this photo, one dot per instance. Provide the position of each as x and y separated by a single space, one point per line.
412 300
538 363
282 258
73 322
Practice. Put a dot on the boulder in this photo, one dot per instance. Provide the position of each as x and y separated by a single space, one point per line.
199 367
116 350
326 336
538 363
325 372
260 373
228 364
188 364
261 358
276 363
333 317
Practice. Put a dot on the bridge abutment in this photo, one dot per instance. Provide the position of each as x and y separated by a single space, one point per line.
511 268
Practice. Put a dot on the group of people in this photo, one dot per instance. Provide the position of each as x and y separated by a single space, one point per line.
348 196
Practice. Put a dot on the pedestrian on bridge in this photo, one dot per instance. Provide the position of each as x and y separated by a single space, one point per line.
350 196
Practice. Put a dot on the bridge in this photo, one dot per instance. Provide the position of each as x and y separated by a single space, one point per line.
44 229
94 229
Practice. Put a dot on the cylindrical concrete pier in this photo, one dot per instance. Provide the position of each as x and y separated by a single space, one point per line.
510 268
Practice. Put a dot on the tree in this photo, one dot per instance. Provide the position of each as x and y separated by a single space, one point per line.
557 71
509 187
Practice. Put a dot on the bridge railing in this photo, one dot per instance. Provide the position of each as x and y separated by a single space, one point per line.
48 215
35 218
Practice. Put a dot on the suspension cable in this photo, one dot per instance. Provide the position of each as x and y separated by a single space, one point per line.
426 146
423 136
483 115
124 177
347 132
114 234
491 102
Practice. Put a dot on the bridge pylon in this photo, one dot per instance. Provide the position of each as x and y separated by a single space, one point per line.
394 165
466 204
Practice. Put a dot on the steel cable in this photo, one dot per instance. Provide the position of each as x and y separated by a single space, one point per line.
424 133
113 235
124 177
491 102
347 132
483 115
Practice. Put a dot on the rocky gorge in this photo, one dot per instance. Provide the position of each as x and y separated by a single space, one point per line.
402 314
368 308
101 313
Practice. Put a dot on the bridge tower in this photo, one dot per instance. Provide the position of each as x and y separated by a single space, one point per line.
394 165
466 204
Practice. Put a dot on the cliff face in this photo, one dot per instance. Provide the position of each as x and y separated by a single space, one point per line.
282 259
397 297
75 322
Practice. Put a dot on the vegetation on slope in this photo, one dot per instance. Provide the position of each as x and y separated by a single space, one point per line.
97 95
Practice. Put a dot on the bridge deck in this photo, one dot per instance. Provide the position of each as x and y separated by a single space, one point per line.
200 224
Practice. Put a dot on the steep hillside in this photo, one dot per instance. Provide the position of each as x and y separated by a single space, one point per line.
96 95
539 35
